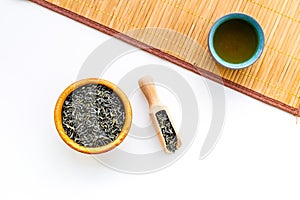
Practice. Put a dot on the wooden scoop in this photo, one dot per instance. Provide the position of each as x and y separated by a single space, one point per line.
160 117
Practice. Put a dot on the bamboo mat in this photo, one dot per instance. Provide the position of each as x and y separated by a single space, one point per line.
273 79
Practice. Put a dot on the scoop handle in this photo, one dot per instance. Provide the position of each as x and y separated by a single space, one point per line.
147 86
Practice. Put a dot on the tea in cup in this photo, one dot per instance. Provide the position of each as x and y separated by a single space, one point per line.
236 41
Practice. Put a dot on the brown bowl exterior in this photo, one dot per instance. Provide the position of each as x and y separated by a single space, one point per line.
73 144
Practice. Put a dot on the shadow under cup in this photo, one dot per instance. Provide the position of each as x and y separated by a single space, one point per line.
236 41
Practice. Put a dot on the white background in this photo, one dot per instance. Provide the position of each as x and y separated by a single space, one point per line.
257 156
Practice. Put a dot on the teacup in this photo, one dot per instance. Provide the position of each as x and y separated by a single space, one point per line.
236 41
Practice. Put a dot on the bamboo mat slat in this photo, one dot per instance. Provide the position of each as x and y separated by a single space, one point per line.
178 30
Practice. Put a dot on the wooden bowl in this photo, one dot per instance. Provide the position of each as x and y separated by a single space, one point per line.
82 115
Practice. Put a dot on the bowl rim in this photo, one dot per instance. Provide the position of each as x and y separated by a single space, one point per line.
258 29
73 144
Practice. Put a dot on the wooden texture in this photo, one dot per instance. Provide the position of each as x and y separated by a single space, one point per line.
59 121
180 29
148 88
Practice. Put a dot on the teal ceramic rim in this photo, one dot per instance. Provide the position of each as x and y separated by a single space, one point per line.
257 28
